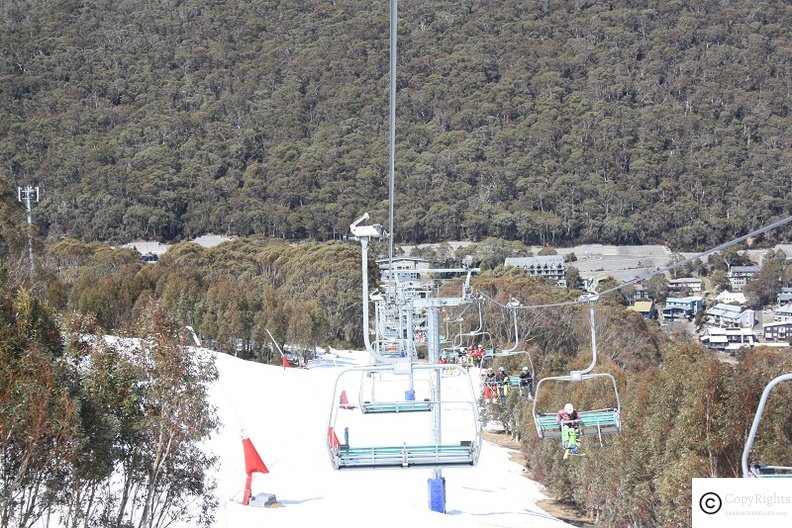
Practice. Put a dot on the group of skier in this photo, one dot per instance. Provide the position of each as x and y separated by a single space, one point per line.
496 385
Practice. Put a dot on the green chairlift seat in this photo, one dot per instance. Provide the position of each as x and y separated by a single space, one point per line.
593 422
406 456
599 422
372 400
395 406
458 444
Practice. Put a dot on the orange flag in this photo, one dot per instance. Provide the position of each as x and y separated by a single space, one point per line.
332 439
253 461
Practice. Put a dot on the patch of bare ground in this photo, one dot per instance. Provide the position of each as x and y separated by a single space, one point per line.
566 512
557 508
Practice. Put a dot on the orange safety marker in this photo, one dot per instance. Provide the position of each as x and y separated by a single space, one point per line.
332 439
344 400
253 464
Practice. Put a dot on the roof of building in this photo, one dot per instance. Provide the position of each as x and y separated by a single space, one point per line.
715 330
726 295
685 280
401 259
684 300
777 323
785 310
642 306
726 310
745 269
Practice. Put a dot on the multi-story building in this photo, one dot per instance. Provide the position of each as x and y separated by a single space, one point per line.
784 297
739 275
548 266
783 314
682 307
644 307
685 283
730 316
409 268
777 332
728 339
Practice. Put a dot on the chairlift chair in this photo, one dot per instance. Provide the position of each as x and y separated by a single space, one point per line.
391 391
516 381
486 337
450 435
593 421
749 469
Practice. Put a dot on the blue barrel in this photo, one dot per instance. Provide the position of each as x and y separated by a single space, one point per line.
437 495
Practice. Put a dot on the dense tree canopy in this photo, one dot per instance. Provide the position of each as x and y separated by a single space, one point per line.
685 414
542 122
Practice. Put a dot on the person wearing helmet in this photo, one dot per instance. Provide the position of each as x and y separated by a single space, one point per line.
526 380
569 420
568 415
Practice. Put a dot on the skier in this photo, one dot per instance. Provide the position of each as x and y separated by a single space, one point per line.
569 420
526 380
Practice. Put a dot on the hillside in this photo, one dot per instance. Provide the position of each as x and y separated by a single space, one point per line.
546 122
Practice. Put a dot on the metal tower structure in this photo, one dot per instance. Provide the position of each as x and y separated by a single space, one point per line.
27 196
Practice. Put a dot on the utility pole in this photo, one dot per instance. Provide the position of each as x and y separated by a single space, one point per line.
27 195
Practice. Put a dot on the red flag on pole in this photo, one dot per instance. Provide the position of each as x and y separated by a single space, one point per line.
253 463
332 439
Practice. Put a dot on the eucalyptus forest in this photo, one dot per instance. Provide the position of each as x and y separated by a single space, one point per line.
548 122
518 124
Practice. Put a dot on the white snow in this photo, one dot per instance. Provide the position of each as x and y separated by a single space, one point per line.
286 412
158 248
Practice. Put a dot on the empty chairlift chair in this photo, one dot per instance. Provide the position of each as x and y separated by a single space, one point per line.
449 435
393 391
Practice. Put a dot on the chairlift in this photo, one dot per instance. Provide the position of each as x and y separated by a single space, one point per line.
472 333
750 470
515 382
593 421
393 348
367 440
457 342
395 391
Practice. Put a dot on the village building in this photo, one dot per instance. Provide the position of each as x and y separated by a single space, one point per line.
682 307
548 266
730 316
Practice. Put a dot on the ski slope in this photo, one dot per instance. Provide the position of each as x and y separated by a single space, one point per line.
285 413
